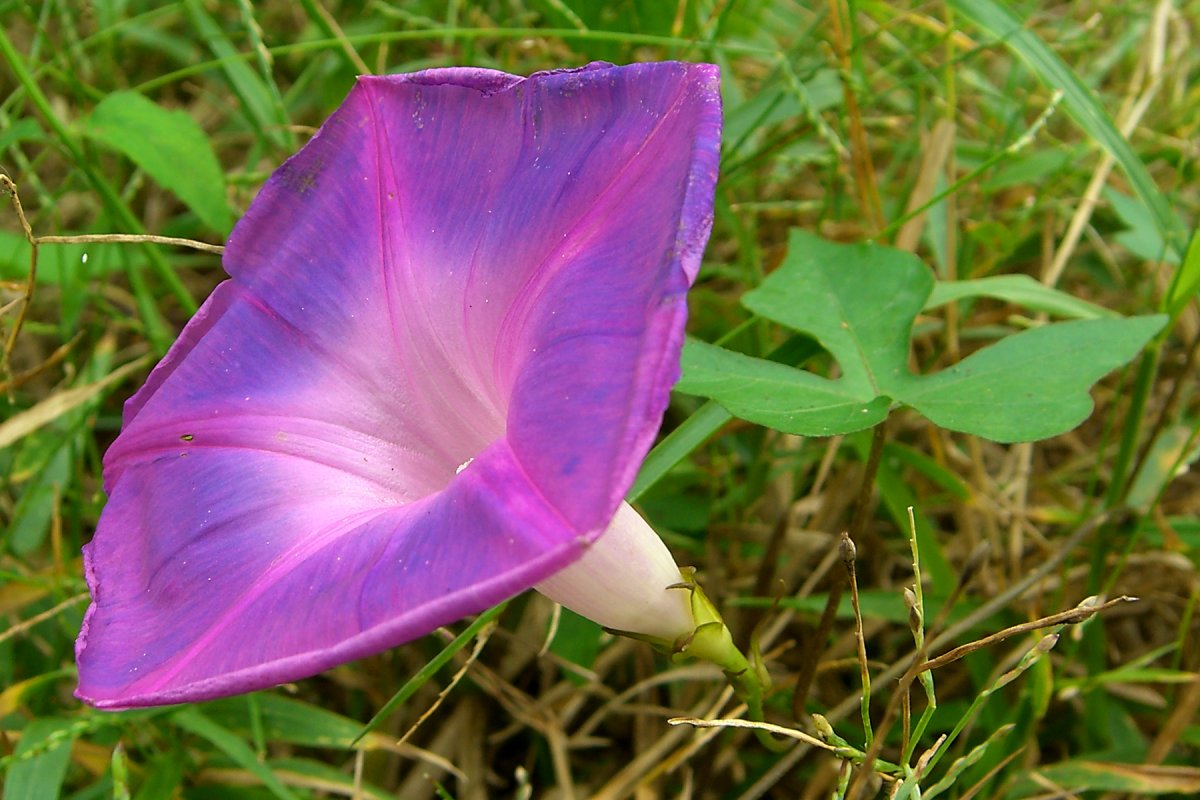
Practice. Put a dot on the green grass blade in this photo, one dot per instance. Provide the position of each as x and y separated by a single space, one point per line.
261 110
328 26
40 761
232 745
676 446
423 675
1186 283
262 57
1079 101
1020 290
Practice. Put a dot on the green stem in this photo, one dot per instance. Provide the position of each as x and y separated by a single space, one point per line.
1118 486
712 641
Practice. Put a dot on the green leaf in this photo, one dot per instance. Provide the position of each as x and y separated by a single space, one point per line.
1020 290
860 302
23 130
1081 775
1187 280
294 721
32 512
1141 236
232 745
40 760
1032 385
170 147
777 396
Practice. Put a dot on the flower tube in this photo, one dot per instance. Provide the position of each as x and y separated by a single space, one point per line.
628 582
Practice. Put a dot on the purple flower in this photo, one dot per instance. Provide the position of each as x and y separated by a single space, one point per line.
452 326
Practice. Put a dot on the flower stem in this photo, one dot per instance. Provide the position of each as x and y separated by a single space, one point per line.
711 641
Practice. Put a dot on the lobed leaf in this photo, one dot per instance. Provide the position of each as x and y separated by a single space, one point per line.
778 396
860 302
1032 385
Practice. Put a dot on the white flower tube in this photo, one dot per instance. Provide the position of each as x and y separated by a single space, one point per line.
627 581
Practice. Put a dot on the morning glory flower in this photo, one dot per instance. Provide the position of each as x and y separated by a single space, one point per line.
451 326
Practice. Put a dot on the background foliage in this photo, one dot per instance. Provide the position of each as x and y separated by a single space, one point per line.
1055 141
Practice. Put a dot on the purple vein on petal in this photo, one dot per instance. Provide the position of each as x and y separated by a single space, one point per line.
306 547
168 427
422 325
391 295
325 353
533 290
339 447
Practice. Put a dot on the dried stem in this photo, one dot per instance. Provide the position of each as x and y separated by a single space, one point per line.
7 185
916 660
481 639
849 555
49 613
131 238
1071 616
808 669
860 152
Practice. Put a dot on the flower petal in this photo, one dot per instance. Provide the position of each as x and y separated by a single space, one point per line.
452 325
575 239
241 570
